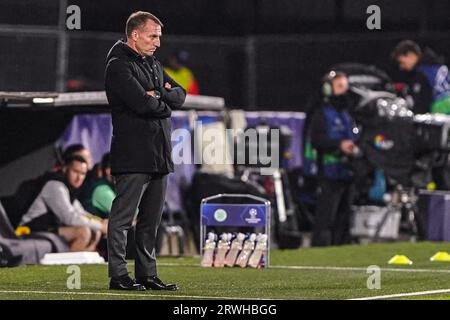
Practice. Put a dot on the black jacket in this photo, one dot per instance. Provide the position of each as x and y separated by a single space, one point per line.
141 124
419 87
420 91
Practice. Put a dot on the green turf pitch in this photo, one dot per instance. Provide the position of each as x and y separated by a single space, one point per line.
316 273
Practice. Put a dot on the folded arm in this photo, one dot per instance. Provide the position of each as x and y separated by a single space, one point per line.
173 94
120 80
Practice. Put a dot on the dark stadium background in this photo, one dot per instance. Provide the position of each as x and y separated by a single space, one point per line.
257 54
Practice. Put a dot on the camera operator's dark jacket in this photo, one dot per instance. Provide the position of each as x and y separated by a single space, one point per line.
141 123
429 84
420 91
329 126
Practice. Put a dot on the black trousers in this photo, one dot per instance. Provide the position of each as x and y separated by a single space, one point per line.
333 213
146 192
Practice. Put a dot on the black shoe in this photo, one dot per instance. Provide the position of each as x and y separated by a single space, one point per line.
154 283
125 283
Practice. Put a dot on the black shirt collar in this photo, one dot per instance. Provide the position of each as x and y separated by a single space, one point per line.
136 54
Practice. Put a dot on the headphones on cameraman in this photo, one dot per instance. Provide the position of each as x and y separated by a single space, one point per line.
327 85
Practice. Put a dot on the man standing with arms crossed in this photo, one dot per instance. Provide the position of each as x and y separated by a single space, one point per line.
141 96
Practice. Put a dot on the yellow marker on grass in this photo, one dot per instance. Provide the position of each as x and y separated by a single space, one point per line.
400 260
441 256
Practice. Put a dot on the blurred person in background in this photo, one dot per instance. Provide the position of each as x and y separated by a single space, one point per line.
141 96
177 70
56 208
331 133
97 196
80 83
428 80
94 170
79 150
100 192
75 149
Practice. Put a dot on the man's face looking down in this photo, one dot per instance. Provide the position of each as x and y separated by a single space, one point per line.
147 38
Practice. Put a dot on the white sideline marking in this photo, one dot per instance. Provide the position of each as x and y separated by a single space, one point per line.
170 264
360 269
400 295
70 293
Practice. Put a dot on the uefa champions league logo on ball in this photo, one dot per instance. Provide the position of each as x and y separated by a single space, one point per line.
253 216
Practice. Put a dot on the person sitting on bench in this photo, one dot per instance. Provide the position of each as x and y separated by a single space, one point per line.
57 210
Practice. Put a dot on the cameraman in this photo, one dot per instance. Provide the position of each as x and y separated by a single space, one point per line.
427 77
333 137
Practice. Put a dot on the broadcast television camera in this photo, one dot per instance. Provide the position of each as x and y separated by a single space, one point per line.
409 148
